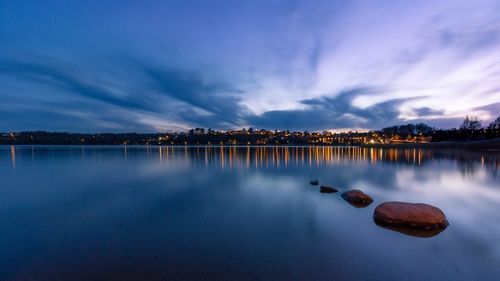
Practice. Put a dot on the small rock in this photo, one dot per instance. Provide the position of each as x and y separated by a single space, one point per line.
410 215
314 182
327 189
357 198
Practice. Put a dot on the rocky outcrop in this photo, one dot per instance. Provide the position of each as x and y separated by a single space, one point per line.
357 198
411 216
327 189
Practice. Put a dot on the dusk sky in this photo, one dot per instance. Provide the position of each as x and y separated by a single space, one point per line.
149 66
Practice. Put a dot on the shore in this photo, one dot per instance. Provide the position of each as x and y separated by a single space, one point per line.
490 144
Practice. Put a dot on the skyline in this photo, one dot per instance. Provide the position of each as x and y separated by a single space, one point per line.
114 66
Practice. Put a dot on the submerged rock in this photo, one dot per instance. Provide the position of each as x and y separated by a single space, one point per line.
314 182
357 198
402 217
327 189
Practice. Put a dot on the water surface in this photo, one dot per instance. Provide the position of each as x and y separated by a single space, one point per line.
241 213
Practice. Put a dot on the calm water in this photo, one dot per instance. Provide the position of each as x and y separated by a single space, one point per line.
246 213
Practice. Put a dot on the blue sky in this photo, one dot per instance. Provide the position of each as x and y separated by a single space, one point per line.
147 66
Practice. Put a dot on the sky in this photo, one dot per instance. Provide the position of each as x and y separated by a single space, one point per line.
154 66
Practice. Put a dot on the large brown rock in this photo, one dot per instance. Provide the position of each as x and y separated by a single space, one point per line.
357 198
410 215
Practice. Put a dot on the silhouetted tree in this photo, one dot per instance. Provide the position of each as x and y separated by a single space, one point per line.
409 129
470 123
495 125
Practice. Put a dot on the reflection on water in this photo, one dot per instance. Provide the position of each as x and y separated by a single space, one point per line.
283 156
422 233
279 156
13 156
241 213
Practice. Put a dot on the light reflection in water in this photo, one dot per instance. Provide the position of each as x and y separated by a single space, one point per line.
284 156
13 156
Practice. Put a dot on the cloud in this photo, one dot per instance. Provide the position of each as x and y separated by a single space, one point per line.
333 113
437 122
493 111
427 111
153 97
64 80
469 39
209 104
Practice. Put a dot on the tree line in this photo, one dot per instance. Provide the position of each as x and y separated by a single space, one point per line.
469 129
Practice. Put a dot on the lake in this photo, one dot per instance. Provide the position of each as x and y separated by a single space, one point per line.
241 213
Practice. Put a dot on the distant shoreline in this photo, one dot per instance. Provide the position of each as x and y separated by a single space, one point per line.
490 145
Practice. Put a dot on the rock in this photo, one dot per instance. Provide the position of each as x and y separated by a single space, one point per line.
314 182
327 189
416 216
357 198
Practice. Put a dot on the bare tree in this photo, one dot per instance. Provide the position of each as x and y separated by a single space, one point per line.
470 123
495 125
